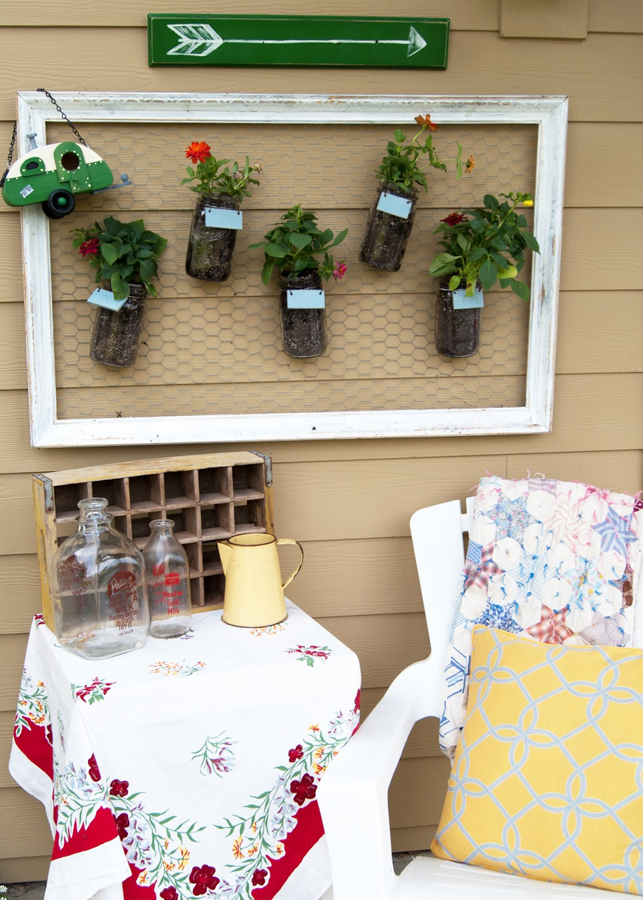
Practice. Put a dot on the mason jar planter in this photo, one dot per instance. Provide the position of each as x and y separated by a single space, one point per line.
303 331
387 235
457 331
117 333
209 254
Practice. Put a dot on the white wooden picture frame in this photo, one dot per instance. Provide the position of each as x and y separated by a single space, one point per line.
548 113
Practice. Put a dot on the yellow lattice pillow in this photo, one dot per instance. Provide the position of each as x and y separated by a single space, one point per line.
547 779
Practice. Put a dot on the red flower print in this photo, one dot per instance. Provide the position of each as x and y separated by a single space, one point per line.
203 879
454 218
358 701
304 789
90 247
198 151
297 753
119 788
259 877
50 735
122 823
169 894
94 771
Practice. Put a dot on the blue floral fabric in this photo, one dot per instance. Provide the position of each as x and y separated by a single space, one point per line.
558 562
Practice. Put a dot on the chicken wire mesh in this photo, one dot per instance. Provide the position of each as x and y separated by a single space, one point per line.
216 348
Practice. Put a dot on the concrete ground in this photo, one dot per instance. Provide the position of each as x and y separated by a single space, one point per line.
35 890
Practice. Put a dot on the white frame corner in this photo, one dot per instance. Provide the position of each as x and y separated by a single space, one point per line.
549 113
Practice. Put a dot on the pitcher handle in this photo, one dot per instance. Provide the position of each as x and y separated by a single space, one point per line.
301 562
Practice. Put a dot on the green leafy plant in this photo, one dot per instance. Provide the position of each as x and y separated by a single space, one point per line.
400 163
486 244
121 253
295 244
215 176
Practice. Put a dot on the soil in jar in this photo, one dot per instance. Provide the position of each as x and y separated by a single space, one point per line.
209 253
303 331
457 331
386 236
117 333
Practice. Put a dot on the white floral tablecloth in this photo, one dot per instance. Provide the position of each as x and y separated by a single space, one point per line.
188 768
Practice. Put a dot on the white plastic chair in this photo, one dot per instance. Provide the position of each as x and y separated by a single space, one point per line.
353 795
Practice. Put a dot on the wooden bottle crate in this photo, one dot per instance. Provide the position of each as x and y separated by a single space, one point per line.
210 497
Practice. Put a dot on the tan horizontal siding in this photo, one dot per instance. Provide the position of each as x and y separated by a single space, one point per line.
466 15
624 16
613 470
480 61
28 868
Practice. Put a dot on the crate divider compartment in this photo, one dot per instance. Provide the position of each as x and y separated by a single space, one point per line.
66 497
194 554
217 522
140 525
187 524
248 517
115 491
213 590
181 489
211 559
215 485
197 601
248 482
146 492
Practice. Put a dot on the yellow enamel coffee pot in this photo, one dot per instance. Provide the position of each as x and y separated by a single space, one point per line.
254 594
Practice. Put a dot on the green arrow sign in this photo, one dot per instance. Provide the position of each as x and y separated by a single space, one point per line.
346 41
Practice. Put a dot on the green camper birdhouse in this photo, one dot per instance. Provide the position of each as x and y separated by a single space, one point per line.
54 175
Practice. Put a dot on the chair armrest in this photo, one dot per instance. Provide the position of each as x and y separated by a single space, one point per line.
353 794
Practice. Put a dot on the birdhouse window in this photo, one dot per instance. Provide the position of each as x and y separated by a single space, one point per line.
33 166
69 161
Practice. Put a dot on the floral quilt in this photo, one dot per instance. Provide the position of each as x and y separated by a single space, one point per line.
555 561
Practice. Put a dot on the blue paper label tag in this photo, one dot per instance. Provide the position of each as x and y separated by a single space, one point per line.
104 298
215 217
462 302
394 205
305 299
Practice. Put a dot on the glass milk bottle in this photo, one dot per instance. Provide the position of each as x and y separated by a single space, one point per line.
98 587
168 581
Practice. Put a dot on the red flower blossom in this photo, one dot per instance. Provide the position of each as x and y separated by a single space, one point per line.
198 151
425 122
122 823
119 788
304 789
259 877
358 701
169 894
339 271
94 771
89 247
454 218
297 753
203 879
50 734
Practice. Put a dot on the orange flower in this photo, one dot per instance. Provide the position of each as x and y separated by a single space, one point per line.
236 849
198 151
313 728
253 849
470 166
425 122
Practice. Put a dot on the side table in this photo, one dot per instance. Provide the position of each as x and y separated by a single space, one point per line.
188 768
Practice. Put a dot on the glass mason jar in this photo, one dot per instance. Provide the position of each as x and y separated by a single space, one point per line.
303 331
168 581
117 333
98 588
457 331
386 235
209 254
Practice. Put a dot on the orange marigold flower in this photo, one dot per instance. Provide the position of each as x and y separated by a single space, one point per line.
470 165
425 122
236 849
313 728
198 151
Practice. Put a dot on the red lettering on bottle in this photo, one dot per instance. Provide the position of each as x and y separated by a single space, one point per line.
172 578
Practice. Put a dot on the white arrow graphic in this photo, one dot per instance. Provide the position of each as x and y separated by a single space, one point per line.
202 39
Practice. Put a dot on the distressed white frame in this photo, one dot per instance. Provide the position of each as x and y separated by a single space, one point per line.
549 113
